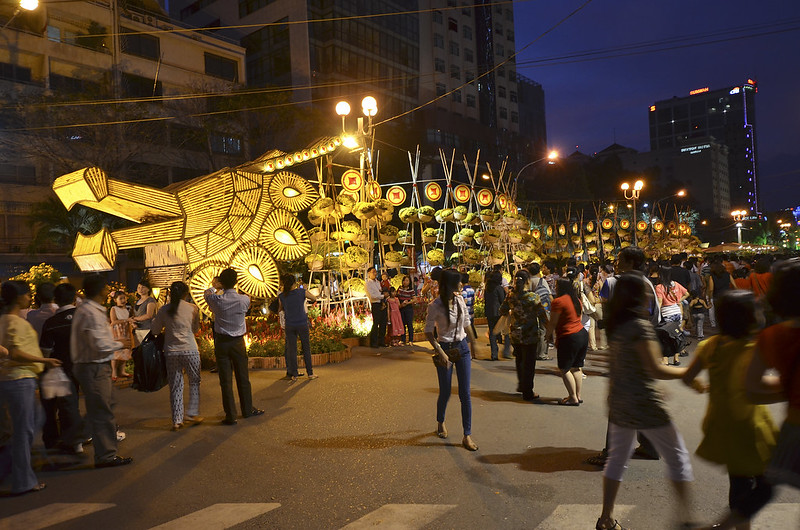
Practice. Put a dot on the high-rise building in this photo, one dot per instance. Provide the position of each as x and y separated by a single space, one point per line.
404 52
728 116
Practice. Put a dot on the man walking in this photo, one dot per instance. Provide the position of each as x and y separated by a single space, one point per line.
378 303
229 309
92 347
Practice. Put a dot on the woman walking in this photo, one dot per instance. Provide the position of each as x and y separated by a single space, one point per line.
406 294
293 303
448 315
634 400
21 363
737 433
572 340
529 322
180 320
670 295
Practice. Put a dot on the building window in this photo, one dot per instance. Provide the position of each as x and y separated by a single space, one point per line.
514 117
468 56
438 41
439 65
501 71
61 83
512 95
466 32
510 35
454 48
245 6
229 145
469 75
13 174
15 72
503 113
140 45
470 101
456 96
440 89
501 92
498 29
455 72
452 24
512 75
499 50
53 34
437 17
134 86
221 67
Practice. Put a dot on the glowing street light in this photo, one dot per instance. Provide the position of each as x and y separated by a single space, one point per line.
633 195
738 216
680 193
24 5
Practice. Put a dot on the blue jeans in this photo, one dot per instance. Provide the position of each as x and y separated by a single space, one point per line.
463 368
292 333
492 322
407 314
19 397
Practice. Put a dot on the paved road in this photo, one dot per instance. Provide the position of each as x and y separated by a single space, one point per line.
356 449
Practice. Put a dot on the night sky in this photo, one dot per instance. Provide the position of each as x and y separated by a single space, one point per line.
591 104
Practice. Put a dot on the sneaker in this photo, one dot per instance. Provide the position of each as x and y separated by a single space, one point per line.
77 449
120 436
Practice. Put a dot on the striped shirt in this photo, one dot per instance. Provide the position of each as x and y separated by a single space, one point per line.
229 309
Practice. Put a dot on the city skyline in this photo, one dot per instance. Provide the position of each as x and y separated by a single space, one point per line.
599 81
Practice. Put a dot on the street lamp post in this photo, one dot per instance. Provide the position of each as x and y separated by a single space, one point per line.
632 194
26 5
738 216
551 158
681 193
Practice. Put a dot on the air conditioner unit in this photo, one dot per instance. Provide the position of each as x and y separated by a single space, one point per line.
150 20
137 18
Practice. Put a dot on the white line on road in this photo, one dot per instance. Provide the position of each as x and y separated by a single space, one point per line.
579 516
219 516
401 516
50 515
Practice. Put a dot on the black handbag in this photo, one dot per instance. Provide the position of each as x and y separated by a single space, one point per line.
149 364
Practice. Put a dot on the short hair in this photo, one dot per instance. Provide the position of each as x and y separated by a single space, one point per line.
228 278
737 313
64 294
635 255
534 268
44 293
465 278
372 269
144 282
93 285
675 259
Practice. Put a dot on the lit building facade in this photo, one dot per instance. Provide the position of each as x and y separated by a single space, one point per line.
728 116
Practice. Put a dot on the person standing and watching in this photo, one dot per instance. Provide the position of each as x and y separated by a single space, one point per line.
293 303
63 425
542 289
468 294
229 309
493 297
143 311
45 306
377 300
448 315
572 340
21 362
527 330
406 297
92 348
180 320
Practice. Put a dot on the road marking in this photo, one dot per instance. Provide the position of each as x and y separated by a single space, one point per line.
401 516
569 516
219 516
50 515
777 516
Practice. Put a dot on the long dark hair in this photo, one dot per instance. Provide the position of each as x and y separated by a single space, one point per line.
9 292
782 294
493 280
564 286
448 287
177 292
665 278
629 301
521 279
288 282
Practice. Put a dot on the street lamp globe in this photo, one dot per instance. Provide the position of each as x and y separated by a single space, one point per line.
29 5
343 108
681 193
552 155
369 106
638 185
625 186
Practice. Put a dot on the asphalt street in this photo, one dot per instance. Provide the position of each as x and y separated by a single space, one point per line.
357 448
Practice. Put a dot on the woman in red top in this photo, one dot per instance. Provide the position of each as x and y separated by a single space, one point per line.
778 347
572 340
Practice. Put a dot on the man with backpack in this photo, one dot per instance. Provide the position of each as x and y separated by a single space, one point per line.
541 288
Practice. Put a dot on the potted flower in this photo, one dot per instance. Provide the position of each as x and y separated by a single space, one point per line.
478 238
514 236
393 259
522 223
351 226
509 218
460 212
466 234
435 257
521 256
317 235
457 241
314 217
356 286
408 214
430 235
383 207
444 215
343 235
364 210
345 202
475 278
404 237
487 215
472 257
425 213
388 234
491 235
332 262
315 288
496 257
314 262
472 219
497 216
356 256
324 206
362 236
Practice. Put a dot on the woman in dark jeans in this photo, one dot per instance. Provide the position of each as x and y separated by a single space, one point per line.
572 340
406 296
493 296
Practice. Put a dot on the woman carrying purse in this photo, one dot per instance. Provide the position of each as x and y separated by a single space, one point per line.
448 315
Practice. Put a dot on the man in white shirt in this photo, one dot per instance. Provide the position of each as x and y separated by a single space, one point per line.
92 347
377 301
229 308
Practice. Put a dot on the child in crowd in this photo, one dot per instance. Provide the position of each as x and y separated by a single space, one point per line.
698 307
737 433
123 332
395 318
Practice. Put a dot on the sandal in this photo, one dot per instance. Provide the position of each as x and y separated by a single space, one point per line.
565 401
39 487
616 526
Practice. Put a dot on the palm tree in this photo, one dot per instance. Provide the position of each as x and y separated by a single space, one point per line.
56 227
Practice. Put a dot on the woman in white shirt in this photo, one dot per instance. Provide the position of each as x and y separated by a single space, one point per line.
181 320
448 314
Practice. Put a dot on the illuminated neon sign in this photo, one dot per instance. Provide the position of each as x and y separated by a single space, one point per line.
652 108
698 91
